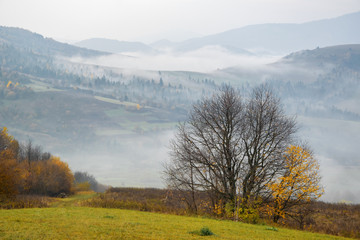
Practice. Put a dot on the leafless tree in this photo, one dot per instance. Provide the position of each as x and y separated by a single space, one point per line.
206 154
230 146
32 153
267 133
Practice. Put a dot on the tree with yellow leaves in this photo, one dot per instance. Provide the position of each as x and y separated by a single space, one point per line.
298 184
51 177
28 170
9 84
9 170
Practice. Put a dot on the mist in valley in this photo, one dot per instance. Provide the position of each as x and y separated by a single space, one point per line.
137 160
133 162
205 60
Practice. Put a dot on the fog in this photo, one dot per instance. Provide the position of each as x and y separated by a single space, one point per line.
341 183
206 59
335 144
136 161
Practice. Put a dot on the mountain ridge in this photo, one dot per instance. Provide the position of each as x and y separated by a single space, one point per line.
285 37
27 40
113 46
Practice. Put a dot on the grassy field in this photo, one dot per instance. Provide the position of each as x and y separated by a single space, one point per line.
114 101
67 221
39 86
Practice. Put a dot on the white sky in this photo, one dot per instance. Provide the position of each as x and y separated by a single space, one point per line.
151 20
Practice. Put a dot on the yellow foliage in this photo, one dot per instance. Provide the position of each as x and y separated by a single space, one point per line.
218 208
83 186
10 173
8 85
49 177
300 182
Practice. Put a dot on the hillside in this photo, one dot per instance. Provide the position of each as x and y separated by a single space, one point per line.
26 40
86 112
347 56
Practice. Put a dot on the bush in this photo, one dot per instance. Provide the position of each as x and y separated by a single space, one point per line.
205 231
249 215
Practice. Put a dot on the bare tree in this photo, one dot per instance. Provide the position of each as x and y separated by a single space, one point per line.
206 154
229 146
267 133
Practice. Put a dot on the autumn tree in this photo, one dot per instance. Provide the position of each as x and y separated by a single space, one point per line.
299 183
27 169
230 145
29 156
10 173
51 177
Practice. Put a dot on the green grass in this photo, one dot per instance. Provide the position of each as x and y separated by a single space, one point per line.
66 221
148 120
114 101
39 86
73 200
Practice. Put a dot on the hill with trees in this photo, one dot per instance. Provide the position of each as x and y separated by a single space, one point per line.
36 43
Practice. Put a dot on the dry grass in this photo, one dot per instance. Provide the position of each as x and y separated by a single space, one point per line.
26 201
147 199
336 219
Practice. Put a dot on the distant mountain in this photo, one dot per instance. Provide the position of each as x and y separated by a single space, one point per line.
113 46
163 43
284 38
342 55
25 40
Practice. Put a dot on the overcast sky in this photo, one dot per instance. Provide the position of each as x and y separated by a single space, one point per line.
151 20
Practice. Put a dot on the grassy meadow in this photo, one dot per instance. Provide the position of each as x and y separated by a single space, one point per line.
100 223
65 219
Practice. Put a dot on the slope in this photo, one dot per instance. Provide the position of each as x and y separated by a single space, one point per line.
24 39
